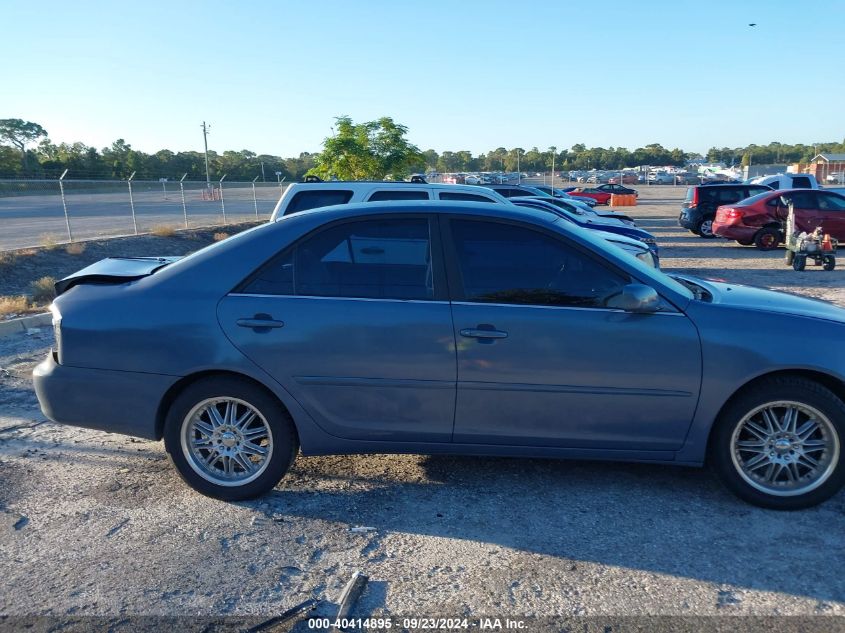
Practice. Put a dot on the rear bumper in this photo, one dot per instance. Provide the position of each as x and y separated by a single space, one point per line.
689 218
735 231
114 401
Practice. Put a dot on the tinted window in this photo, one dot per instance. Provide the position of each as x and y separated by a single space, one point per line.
800 200
829 202
466 197
304 200
501 263
378 259
801 182
754 191
398 194
729 196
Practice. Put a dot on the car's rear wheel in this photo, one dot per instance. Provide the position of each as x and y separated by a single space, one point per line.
767 238
229 439
705 228
778 445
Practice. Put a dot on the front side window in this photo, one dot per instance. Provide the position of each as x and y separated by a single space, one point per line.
305 200
373 259
829 202
503 263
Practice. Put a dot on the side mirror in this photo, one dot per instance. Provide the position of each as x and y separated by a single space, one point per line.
637 298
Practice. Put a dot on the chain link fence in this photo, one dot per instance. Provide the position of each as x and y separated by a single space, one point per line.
35 212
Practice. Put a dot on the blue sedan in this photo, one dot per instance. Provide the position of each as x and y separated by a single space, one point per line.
430 327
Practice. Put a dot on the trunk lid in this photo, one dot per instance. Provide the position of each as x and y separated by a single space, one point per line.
114 270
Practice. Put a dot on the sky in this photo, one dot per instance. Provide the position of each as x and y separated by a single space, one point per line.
271 76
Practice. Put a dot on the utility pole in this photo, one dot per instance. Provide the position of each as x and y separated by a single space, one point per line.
205 129
263 179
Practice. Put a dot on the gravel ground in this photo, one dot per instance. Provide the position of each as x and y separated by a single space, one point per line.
100 524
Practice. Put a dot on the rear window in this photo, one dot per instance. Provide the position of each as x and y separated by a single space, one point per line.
690 194
754 191
801 182
397 194
304 200
757 197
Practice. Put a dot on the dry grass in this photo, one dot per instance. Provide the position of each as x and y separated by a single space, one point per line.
163 230
75 248
7 259
219 237
27 252
42 291
13 305
49 242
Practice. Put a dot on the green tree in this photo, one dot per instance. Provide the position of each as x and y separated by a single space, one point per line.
20 133
370 150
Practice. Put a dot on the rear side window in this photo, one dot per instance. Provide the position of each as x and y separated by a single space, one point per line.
398 194
464 197
729 196
304 200
373 259
801 182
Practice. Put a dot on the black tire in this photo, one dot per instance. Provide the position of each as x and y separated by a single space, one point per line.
829 262
705 228
282 433
745 242
778 389
767 238
789 257
799 262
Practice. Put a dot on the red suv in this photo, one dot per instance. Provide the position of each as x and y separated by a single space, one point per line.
760 219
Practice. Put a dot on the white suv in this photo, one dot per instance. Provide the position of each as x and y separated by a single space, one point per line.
301 196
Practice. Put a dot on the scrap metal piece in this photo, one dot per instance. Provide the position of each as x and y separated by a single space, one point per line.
351 593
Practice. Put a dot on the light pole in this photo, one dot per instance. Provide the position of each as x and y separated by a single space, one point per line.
553 149
518 172
205 129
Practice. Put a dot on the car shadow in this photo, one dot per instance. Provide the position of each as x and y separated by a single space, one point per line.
661 519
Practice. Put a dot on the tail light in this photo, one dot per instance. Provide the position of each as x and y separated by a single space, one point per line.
728 215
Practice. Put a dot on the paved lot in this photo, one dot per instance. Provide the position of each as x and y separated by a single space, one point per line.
30 220
92 523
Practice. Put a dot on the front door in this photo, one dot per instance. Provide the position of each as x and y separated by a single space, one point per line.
542 362
353 321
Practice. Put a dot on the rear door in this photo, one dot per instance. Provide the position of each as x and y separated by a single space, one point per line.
353 320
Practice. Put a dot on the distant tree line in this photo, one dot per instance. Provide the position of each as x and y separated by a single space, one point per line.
373 149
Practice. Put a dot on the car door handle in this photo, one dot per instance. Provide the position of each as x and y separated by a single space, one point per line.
484 333
260 322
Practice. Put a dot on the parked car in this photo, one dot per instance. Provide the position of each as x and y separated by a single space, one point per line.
573 205
787 181
303 196
335 332
698 210
661 178
564 193
591 222
601 197
617 189
759 219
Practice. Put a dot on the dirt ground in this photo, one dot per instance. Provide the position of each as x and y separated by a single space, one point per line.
100 524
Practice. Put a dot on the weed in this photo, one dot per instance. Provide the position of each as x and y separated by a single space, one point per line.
13 305
219 237
42 291
163 230
75 248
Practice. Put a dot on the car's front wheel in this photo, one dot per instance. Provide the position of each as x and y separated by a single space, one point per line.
229 439
778 445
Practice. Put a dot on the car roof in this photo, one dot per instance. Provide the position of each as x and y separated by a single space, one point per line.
339 211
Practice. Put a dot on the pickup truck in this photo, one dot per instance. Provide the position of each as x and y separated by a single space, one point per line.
788 181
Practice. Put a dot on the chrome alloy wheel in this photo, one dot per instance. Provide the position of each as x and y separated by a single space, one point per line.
226 441
706 228
785 448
